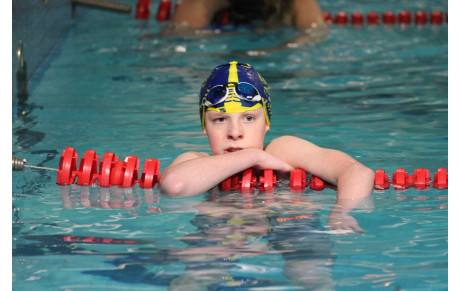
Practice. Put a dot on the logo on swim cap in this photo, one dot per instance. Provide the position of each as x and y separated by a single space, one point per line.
234 87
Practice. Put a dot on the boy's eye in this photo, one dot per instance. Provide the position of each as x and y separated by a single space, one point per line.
219 119
249 118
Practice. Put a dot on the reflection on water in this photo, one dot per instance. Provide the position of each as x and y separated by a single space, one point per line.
107 198
232 226
237 241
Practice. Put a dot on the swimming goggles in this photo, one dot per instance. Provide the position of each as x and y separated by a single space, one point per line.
242 90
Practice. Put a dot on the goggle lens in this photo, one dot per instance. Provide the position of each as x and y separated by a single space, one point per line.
216 94
245 91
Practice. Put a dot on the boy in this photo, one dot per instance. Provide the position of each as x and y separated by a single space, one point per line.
235 111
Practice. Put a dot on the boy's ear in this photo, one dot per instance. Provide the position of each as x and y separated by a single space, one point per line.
204 131
267 127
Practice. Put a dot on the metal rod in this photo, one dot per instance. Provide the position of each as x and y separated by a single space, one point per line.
41 168
19 165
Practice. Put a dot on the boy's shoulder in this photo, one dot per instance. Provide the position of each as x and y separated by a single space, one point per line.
289 146
286 140
189 156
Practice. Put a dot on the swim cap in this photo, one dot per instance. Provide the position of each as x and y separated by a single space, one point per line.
230 76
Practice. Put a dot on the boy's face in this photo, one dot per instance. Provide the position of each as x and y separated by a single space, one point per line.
229 132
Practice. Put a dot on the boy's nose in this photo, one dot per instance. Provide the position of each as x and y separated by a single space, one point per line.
235 131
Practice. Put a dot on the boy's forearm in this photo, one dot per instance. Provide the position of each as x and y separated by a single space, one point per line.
354 186
355 182
353 190
197 176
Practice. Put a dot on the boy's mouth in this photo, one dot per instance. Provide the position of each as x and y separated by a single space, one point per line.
231 150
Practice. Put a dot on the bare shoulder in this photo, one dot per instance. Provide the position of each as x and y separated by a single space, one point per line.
288 143
294 150
189 156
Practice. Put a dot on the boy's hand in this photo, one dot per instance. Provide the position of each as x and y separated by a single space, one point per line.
343 221
269 161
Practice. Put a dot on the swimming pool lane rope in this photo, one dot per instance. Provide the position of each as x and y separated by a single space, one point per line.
124 174
388 17
342 18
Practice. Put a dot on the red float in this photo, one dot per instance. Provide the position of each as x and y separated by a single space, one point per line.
105 167
298 180
421 179
88 168
327 17
248 181
267 181
440 180
143 9
164 10
420 17
316 183
400 179
372 18
226 185
67 167
405 17
357 18
341 18
150 174
381 180
436 17
117 173
388 17
131 172
231 183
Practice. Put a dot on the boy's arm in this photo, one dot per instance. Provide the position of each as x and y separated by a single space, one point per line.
195 173
354 181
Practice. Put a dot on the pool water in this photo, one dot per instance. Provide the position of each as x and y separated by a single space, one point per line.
113 84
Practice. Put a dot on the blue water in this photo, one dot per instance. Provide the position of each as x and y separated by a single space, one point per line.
114 85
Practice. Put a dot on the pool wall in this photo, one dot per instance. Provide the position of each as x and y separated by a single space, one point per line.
39 24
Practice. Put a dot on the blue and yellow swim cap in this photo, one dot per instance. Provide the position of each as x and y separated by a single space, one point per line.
232 88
